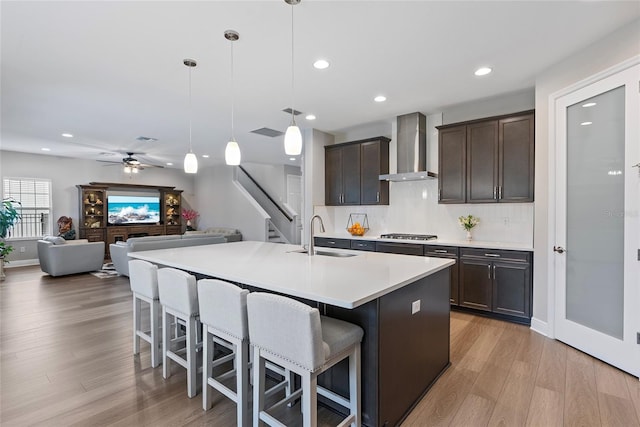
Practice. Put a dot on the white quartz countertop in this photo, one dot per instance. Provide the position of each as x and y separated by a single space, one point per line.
442 242
346 282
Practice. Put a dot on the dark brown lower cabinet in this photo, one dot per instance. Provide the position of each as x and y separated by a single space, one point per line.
450 252
496 281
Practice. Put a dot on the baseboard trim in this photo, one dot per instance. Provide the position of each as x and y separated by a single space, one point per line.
539 326
21 263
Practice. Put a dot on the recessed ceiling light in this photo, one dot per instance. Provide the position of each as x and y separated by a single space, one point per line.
585 123
589 104
46 149
483 71
310 117
67 135
206 156
169 164
380 98
321 64
292 158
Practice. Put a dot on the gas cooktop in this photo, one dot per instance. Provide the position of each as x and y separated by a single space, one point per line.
405 236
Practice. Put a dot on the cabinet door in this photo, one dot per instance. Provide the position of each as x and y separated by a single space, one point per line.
332 177
451 165
476 284
374 156
482 162
516 159
350 174
512 289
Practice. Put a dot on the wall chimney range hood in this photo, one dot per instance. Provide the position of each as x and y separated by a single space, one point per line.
411 143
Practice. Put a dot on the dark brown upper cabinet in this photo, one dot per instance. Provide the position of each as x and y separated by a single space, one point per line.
488 160
352 172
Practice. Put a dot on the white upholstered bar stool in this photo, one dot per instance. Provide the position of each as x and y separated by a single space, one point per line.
223 313
295 336
179 298
143 278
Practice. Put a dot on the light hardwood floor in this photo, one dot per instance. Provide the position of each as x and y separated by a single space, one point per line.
66 359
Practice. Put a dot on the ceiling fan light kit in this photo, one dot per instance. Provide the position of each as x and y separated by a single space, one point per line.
190 160
293 137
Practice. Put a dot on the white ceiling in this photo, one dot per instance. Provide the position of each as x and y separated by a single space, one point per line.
109 72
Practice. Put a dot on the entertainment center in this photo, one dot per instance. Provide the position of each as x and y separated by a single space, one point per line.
111 212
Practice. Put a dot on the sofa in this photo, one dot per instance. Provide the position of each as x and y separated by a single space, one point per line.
231 234
120 250
59 257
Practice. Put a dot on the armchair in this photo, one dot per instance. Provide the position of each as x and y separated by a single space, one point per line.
76 256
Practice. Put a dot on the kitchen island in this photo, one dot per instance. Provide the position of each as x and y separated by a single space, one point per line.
401 302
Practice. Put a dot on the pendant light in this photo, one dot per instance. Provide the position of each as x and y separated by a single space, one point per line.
190 160
293 137
232 151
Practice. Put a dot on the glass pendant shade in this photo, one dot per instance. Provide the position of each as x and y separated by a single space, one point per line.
190 163
127 169
293 141
134 170
232 153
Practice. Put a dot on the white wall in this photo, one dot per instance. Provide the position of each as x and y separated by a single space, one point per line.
66 173
222 203
313 174
272 178
615 48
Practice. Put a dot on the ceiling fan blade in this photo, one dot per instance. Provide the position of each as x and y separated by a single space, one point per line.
144 165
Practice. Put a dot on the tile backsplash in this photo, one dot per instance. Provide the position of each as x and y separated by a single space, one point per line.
413 208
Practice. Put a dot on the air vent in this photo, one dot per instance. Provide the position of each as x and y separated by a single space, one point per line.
295 112
106 154
272 133
146 139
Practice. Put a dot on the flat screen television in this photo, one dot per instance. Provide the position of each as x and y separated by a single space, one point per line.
129 210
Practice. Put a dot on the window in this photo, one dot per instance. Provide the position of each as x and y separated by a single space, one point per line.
34 196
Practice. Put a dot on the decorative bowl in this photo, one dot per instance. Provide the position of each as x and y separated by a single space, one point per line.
358 224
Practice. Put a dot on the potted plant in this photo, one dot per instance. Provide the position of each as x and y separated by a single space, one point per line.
468 222
189 215
8 217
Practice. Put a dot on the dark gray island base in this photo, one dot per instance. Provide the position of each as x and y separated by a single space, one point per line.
403 354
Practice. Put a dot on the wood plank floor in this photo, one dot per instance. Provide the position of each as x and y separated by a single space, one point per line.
66 359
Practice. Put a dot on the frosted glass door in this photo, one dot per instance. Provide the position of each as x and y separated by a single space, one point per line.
597 220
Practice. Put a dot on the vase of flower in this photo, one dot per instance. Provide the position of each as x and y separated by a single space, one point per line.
190 215
468 222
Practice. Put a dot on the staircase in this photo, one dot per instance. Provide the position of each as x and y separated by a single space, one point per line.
274 235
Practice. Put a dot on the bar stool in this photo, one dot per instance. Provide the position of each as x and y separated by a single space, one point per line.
223 313
179 298
143 278
295 336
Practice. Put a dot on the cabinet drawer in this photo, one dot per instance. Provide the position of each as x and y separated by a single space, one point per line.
363 245
441 251
496 254
400 248
332 243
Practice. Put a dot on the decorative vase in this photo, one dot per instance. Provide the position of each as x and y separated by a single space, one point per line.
469 236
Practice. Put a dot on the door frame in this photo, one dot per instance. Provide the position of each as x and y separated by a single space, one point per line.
553 159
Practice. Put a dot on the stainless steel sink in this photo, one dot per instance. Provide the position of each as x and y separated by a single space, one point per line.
325 253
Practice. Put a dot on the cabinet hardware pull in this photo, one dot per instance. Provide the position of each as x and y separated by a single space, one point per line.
489 271
500 192
440 251
492 255
494 271
495 191
331 242
377 196
439 193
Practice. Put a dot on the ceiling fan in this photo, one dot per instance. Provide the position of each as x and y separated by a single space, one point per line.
131 164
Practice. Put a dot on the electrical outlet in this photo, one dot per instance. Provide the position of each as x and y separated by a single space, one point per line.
22 249
415 307
505 220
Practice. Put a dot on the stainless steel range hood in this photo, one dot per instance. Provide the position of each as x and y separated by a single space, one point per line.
411 142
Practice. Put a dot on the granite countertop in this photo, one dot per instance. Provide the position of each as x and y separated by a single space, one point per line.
346 282
442 242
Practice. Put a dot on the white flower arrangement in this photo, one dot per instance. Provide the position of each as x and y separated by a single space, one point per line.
468 222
